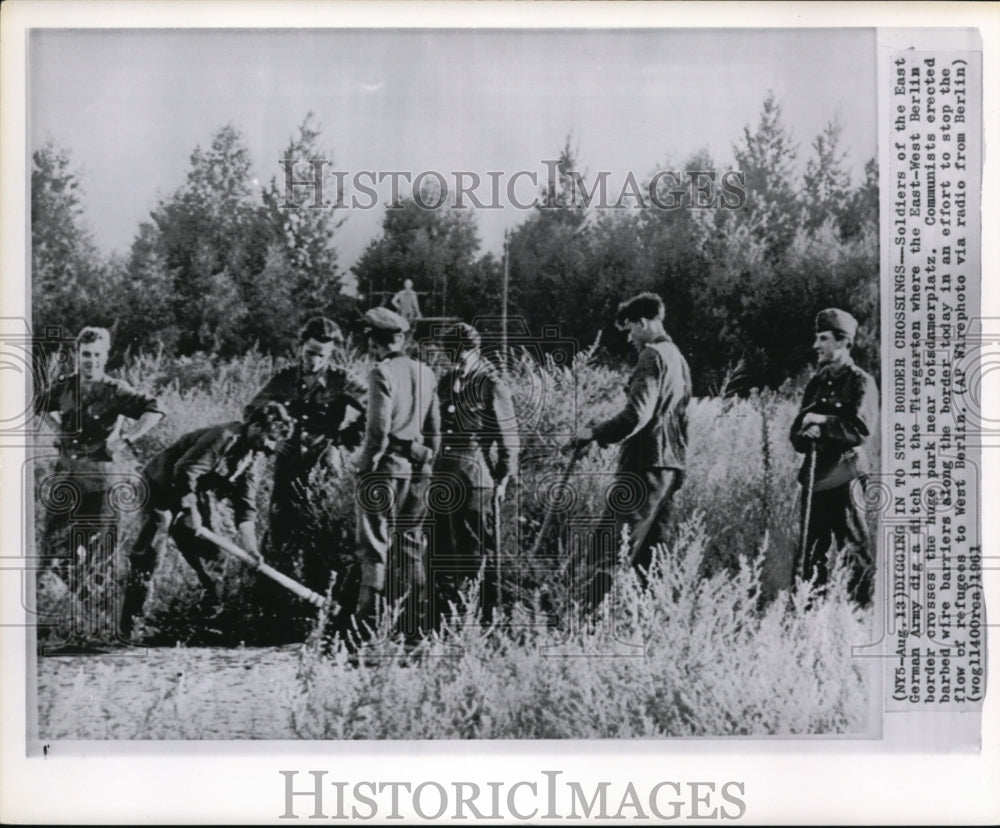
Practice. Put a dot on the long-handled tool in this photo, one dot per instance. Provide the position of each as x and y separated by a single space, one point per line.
807 494
288 583
497 502
547 520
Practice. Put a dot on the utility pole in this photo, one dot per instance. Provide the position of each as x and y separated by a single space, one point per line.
503 304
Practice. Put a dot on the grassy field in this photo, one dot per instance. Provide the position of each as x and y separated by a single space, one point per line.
720 643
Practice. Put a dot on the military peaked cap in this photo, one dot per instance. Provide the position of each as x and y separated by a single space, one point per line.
386 321
464 334
321 329
838 321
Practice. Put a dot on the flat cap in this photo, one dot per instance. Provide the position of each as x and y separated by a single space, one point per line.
385 320
838 321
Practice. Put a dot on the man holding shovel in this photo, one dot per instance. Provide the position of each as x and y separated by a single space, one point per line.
839 413
653 431
477 413
184 481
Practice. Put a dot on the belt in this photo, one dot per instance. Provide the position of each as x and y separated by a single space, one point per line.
98 455
403 447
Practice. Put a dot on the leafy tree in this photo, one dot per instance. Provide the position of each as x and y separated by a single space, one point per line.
826 181
860 212
67 274
303 235
202 253
767 158
436 248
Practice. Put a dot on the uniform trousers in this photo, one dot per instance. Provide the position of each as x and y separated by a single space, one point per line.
837 524
392 547
463 537
642 502
163 520
80 530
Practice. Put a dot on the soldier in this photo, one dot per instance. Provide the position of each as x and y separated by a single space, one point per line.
394 468
839 413
86 410
652 428
406 303
477 412
184 481
324 403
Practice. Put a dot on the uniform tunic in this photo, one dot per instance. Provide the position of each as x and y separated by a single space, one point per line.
89 417
653 430
477 413
201 468
848 397
401 440
319 406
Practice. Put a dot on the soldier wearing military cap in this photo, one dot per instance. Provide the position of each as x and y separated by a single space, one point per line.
477 414
87 409
325 405
838 415
185 482
401 439
653 430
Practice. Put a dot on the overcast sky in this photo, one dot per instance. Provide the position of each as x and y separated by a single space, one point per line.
131 105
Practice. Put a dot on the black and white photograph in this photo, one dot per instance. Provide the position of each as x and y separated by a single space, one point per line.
396 387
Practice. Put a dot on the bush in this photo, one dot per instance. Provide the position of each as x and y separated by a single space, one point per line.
720 655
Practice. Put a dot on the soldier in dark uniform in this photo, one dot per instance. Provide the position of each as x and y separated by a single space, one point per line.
185 482
839 413
401 440
325 405
86 409
477 413
653 431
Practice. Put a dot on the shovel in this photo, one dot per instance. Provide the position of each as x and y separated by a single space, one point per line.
290 584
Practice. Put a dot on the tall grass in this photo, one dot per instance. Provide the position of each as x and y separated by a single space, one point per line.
712 646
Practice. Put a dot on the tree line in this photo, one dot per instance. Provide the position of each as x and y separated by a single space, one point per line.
221 266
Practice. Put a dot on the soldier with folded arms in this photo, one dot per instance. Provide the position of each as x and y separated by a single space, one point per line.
185 482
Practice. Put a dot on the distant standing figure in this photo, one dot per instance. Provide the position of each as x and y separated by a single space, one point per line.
406 303
653 431
838 415
86 409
